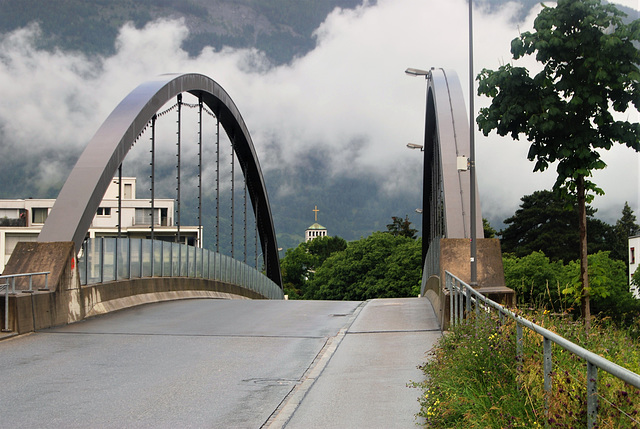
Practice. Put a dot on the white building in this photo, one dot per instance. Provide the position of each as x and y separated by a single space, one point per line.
22 220
634 255
315 230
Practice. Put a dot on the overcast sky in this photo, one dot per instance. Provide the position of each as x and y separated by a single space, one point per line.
349 95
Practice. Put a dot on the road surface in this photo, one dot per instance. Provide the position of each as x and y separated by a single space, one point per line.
222 364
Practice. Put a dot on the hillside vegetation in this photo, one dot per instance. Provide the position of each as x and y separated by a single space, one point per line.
281 28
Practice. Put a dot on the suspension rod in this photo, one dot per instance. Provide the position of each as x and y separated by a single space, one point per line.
120 201
178 168
245 217
199 243
233 165
153 174
217 184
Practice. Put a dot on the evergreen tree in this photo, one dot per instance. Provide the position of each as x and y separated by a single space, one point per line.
625 227
401 227
546 222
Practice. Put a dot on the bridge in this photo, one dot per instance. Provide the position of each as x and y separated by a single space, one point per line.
149 270
223 362
93 276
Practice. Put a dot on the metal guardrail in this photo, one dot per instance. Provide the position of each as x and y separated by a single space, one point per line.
461 297
110 259
431 263
11 281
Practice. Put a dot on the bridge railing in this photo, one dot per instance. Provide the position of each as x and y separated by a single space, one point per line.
431 263
110 259
464 297
8 284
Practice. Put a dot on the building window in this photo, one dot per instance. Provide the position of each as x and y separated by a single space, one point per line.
39 215
104 211
143 216
633 255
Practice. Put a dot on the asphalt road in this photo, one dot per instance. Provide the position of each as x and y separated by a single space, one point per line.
221 364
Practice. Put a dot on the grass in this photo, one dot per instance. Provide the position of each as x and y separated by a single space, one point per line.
474 378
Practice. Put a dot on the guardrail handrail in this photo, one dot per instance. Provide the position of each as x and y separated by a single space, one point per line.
13 278
455 286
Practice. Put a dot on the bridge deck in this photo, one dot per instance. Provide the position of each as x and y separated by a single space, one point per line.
221 363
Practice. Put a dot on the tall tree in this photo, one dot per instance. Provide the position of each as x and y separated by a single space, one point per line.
546 223
379 266
589 66
299 264
625 227
401 227
489 231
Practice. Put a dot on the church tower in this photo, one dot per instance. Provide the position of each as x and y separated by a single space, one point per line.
315 230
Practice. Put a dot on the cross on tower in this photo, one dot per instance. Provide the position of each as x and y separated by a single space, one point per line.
316 212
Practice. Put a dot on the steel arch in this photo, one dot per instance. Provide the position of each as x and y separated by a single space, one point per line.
81 194
446 190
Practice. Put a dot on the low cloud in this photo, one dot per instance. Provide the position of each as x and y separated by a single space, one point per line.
347 101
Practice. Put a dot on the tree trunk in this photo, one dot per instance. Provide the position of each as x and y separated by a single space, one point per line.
584 268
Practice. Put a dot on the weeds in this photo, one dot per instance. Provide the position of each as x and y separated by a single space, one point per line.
475 379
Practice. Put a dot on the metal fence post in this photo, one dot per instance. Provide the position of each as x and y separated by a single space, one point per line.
459 301
592 394
548 367
519 341
468 290
449 282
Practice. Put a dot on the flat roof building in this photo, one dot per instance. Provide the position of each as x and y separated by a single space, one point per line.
22 220
634 248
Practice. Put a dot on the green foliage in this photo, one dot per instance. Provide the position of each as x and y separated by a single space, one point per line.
547 222
624 228
605 277
590 64
589 67
379 266
536 279
540 282
401 227
475 379
299 264
489 231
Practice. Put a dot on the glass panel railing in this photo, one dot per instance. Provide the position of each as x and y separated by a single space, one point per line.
82 263
191 261
93 261
157 247
175 260
123 258
135 257
108 259
146 247
199 262
184 260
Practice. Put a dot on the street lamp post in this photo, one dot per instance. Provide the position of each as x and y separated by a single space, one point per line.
472 158
473 281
